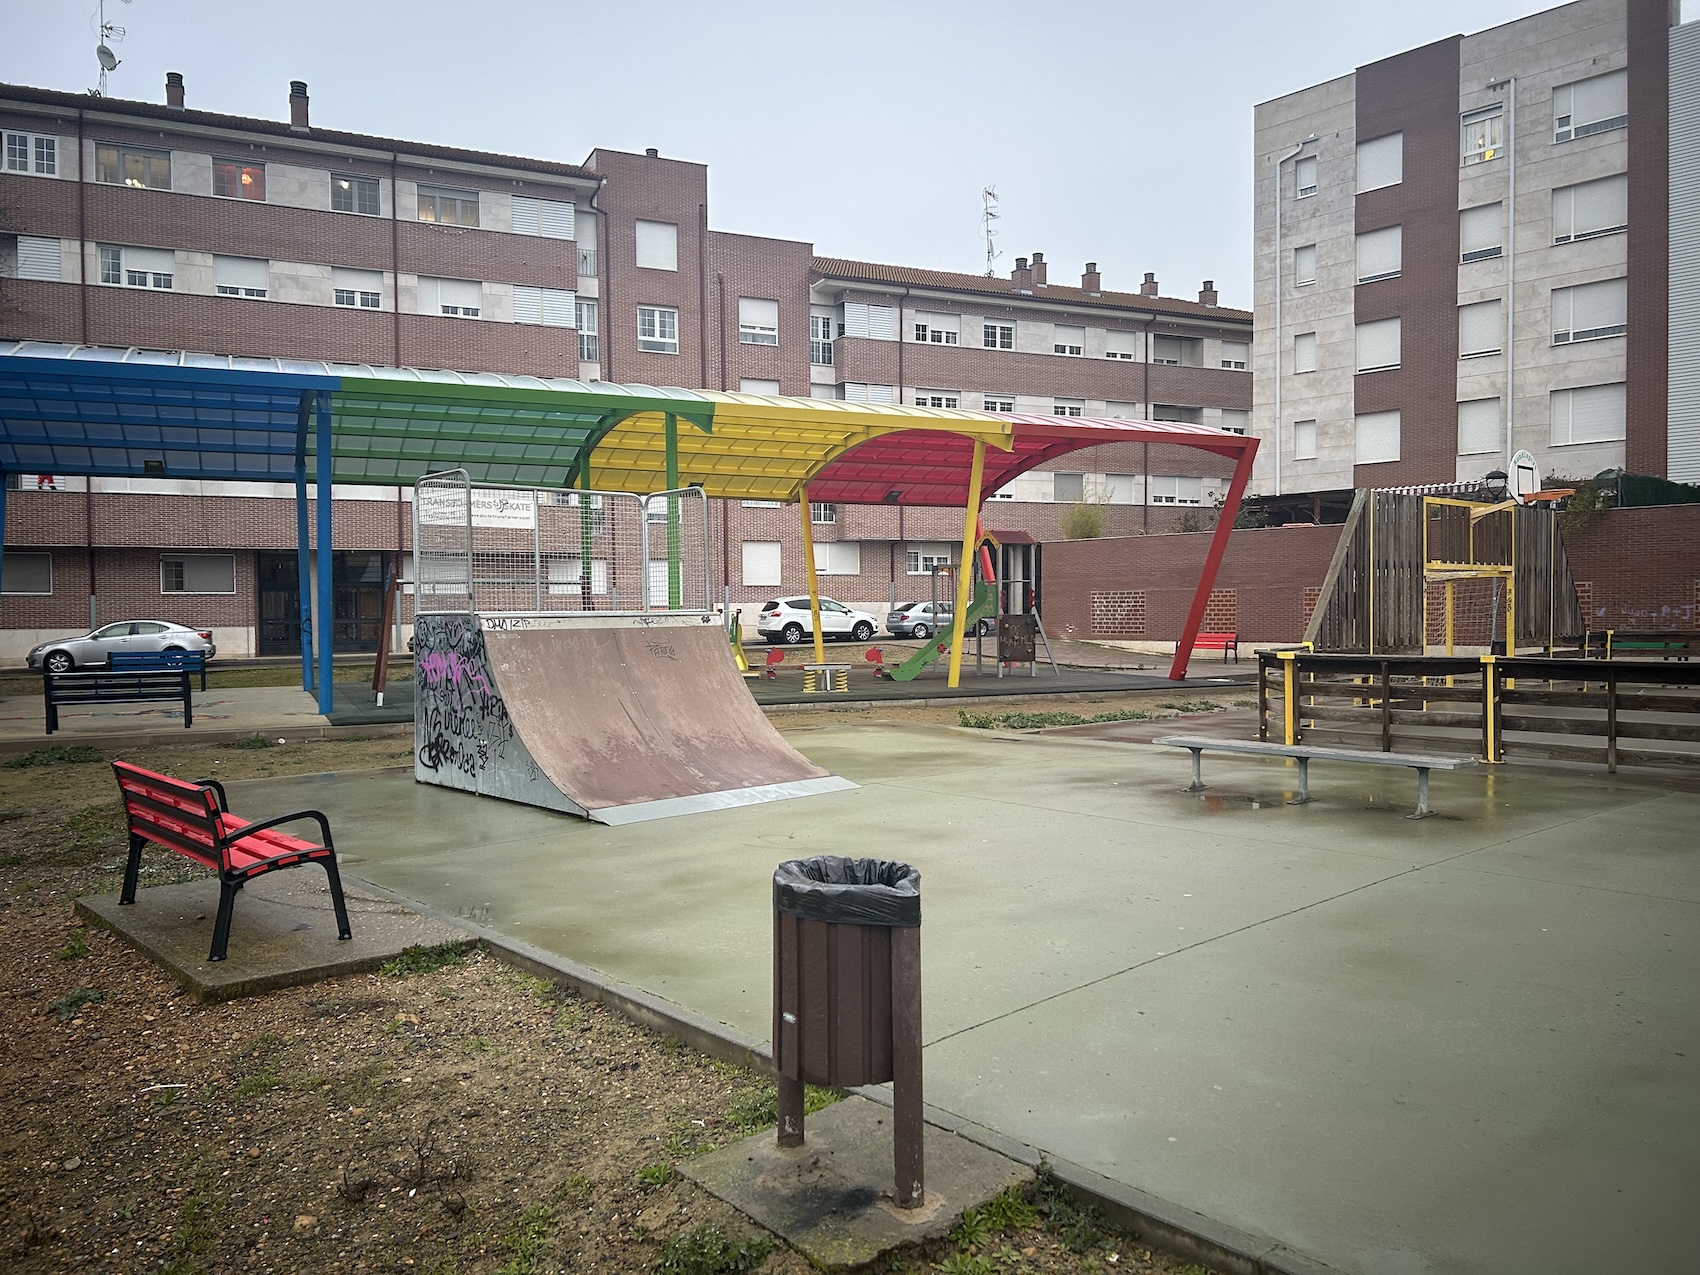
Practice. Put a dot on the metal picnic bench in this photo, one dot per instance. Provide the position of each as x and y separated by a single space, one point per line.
116 688
158 662
1304 754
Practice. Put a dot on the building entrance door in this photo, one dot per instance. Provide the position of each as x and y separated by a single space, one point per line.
357 601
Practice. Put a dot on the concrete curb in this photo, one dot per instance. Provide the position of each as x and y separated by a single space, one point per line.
1148 1218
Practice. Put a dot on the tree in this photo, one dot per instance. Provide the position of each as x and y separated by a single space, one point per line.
1084 519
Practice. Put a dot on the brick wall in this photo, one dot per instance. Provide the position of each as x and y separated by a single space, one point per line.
767 269
1639 568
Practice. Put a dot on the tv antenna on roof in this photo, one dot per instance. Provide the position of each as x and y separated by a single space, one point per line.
108 34
988 216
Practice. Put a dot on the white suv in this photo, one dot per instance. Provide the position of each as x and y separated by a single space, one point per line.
787 620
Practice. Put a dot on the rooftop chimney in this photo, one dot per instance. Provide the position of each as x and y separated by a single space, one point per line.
1038 269
1092 281
1021 276
1149 287
1207 294
653 153
298 105
174 90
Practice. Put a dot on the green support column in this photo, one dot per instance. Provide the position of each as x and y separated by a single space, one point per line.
585 571
673 573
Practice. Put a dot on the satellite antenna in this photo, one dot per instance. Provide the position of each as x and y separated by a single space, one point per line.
108 34
988 217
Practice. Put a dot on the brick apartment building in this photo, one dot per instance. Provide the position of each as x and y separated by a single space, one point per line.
137 224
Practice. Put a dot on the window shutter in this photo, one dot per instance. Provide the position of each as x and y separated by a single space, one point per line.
1479 232
761 562
428 295
1381 162
356 280
1166 349
241 272
1304 264
559 307
525 216
554 219
153 260
1380 253
1589 309
1590 208
1605 97
528 304
1478 426
754 313
1378 344
1377 437
1120 343
1304 176
882 322
1066 334
1304 352
1591 414
1481 328
1304 440
462 292
38 258
657 245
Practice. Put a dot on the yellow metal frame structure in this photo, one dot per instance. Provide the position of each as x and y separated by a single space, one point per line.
1451 572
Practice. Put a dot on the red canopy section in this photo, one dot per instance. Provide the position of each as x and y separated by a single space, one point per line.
916 467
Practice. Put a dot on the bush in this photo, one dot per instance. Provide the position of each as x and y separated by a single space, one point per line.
708 1251
425 960
1083 520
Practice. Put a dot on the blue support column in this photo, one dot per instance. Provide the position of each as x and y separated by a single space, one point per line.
3 523
325 626
303 559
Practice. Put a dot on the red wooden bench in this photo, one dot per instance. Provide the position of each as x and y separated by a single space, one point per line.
194 820
1223 642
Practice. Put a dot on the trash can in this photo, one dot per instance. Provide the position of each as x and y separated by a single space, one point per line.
847 993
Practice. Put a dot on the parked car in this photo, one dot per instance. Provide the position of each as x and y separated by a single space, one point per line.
125 635
916 620
788 620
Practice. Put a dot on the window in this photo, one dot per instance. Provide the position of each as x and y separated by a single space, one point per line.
1381 162
998 336
838 558
232 179
998 403
921 559
1177 351
937 398
1123 411
1381 254
1590 311
1482 135
352 194
197 573
857 392
1068 488
758 321
1481 233
1304 265
822 515
241 276
458 298
1378 345
1068 407
1166 489
762 504
30 257
1377 438
1235 354
877 322
937 329
363 289
137 267
1119 489
1304 177
31 153
761 562
1304 352
1590 106
1235 420
1592 414
1590 209
820 339
658 329
1175 412
1120 345
752 385
132 166
448 207
1067 340
549 218
1481 329
1304 440
550 307
28 573
657 245
566 574
1478 427
589 342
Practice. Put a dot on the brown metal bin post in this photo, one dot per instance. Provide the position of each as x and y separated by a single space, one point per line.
847 994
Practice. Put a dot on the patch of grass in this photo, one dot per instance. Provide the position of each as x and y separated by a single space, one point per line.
76 947
1195 706
528 1240
68 1004
965 1264
651 1176
424 960
758 1107
1016 720
708 1250
58 755
1009 1211
253 741
577 1188
193 1234
1079 1226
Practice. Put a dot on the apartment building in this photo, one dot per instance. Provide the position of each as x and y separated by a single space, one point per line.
139 224
1483 246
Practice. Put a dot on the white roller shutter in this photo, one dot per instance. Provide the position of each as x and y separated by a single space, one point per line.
1591 414
1590 208
1481 328
756 313
1590 310
1478 427
38 258
877 322
546 217
559 307
1590 106
761 562
528 304
467 293
1304 352
1120 345
657 245
839 558
1304 177
1377 437
241 272
1304 264
1480 232
1378 344
1381 162
1380 253
153 260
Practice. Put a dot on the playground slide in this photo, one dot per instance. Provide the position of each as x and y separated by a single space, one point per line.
618 719
984 606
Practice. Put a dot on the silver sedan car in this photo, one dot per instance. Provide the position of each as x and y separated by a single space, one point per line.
126 635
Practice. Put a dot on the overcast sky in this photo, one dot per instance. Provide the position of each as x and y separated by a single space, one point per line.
1114 132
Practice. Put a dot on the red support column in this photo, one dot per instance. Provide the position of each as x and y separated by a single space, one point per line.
1213 560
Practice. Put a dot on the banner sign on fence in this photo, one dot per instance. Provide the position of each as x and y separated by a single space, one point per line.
446 507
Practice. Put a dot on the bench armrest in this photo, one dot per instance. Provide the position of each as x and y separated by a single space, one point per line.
218 788
324 826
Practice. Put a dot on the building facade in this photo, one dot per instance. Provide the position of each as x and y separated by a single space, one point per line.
1482 247
138 224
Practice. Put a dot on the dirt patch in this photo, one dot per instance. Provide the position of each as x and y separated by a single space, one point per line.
1156 704
451 1116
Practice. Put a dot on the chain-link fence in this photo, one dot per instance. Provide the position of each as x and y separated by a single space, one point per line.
501 550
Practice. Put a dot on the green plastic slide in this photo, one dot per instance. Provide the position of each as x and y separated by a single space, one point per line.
984 606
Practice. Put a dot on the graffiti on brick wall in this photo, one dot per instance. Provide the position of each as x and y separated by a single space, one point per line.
460 717
1118 613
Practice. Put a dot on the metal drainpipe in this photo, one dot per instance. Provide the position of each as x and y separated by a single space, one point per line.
720 322
702 295
82 231
1509 84
1145 389
1279 339
88 536
604 292
395 257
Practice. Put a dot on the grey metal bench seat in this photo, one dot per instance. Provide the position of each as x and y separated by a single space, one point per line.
1304 754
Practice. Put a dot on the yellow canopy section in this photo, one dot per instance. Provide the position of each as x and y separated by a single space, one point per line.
759 447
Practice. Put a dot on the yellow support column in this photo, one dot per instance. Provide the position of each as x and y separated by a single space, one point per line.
1289 697
814 580
965 566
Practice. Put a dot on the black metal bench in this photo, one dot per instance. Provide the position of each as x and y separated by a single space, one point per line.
158 662
72 689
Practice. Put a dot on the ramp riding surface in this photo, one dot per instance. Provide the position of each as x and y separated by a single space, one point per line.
617 718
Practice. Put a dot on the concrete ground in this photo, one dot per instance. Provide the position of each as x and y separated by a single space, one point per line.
1465 1044
242 710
